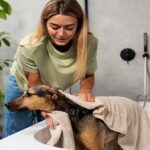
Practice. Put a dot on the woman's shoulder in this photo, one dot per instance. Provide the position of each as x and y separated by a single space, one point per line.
31 40
30 44
92 40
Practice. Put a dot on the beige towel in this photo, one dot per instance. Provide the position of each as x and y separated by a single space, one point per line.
124 116
119 113
61 135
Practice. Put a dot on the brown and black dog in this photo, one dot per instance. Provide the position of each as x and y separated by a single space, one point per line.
90 133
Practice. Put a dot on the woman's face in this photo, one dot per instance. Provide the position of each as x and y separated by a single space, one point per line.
61 28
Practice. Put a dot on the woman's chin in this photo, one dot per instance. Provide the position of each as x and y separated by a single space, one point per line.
61 43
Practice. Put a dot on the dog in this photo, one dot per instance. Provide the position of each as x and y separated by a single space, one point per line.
90 133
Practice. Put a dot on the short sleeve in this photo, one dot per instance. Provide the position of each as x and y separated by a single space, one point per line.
92 55
24 57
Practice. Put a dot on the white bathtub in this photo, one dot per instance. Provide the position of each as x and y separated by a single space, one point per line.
33 138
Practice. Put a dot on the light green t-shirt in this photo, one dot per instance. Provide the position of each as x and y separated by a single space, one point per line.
56 68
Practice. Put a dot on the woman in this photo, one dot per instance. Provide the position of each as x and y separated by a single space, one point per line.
59 53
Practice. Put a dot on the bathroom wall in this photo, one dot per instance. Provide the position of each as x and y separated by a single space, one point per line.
117 24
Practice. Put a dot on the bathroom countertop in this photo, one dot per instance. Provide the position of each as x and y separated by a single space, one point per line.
25 140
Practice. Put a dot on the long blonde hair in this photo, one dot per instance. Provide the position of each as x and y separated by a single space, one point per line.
71 8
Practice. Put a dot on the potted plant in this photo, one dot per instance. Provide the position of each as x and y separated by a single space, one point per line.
5 11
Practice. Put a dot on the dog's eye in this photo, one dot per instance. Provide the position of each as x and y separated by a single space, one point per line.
29 94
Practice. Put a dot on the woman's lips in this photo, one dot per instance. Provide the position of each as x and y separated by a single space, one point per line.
60 39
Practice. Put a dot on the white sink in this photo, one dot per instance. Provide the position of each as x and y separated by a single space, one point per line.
34 137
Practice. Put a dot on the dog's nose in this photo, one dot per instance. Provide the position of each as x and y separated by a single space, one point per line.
7 106
11 107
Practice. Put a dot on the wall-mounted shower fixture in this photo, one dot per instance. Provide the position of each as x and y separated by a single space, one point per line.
145 97
127 54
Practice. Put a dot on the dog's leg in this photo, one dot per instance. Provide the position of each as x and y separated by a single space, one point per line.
113 145
91 139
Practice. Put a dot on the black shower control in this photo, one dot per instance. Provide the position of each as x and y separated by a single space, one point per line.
127 54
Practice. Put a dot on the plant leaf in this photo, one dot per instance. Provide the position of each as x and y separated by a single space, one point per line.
6 42
1 68
3 35
9 60
6 7
1 95
6 63
3 15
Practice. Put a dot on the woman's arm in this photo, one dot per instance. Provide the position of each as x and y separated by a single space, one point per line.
33 78
86 86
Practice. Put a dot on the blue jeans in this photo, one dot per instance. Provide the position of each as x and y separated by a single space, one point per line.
14 122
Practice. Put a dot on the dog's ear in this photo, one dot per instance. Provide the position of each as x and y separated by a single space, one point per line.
55 96
52 94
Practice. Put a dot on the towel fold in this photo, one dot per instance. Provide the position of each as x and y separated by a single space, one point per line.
62 134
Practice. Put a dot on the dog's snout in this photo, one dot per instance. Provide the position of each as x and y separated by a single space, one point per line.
11 107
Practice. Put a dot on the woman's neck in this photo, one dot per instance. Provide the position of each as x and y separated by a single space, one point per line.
64 48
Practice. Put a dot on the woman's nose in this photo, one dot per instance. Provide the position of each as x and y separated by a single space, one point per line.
61 32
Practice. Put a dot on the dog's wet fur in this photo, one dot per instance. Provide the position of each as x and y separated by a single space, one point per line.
90 133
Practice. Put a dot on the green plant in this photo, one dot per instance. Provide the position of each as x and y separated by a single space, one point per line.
5 11
1 95
4 39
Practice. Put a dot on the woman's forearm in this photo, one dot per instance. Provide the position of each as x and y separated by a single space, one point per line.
86 85
33 79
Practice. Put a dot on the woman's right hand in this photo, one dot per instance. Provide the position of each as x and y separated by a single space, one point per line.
48 119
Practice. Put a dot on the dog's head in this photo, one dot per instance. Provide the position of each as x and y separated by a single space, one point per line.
36 98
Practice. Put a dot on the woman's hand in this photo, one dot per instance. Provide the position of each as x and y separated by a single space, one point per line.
86 96
86 86
48 119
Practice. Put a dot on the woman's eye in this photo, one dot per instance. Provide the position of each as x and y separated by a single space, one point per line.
69 29
55 28
65 28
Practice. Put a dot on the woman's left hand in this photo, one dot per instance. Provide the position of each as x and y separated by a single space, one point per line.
86 96
86 86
